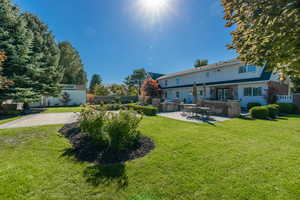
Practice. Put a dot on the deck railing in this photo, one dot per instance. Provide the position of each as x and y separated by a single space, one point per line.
284 98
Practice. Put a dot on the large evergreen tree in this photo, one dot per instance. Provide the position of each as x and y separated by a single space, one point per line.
96 80
44 56
16 42
72 65
266 31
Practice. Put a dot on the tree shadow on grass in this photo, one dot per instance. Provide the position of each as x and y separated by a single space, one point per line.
107 174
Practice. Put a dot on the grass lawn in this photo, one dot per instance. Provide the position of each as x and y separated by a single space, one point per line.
62 109
9 119
235 159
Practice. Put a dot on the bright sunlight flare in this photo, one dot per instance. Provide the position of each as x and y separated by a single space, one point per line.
154 9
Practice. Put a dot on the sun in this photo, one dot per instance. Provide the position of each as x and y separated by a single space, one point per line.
154 5
153 10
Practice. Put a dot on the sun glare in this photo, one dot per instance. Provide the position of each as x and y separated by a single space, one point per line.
153 10
154 5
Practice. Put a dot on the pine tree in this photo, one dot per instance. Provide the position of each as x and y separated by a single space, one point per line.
72 65
44 56
96 80
16 42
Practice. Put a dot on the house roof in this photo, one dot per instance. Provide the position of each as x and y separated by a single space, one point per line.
203 68
155 76
265 76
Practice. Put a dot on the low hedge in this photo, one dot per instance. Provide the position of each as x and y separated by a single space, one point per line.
252 104
146 110
288 108
273 110
259 112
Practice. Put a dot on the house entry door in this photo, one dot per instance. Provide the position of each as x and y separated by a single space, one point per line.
223 94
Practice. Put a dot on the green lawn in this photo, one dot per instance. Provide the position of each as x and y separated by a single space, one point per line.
235 159
62 109
9 119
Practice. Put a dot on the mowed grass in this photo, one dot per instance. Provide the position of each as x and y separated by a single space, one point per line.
9 119
62 109
236 159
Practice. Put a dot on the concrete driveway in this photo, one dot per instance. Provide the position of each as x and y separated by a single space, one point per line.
42 119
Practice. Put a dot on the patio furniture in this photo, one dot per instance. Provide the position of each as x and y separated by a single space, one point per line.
192 110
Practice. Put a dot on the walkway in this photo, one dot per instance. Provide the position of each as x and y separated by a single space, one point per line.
41 119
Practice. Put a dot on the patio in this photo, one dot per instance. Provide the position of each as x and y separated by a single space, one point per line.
183 117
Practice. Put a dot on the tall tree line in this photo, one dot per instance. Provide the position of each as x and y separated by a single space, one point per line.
34 63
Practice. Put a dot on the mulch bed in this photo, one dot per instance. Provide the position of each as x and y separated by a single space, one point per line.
84 149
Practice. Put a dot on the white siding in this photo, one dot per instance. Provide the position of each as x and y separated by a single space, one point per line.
247 99
77 97
215 75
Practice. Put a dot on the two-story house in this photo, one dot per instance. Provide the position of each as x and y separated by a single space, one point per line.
230 80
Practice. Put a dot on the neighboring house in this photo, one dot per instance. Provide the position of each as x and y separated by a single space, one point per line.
76 95
230 80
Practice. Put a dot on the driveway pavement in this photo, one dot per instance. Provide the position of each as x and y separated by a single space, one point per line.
42 119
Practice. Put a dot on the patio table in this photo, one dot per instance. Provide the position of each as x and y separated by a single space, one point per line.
197 111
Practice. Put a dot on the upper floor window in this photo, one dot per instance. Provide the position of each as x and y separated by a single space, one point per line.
248 68
177 94
166 82
207 74
177 81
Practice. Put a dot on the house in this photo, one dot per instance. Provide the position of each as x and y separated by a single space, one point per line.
229 80
71 95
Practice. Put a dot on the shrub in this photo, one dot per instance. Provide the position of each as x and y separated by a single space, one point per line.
288 108
146 110
122 130
91 121
253 104
273 110
259 112
109 130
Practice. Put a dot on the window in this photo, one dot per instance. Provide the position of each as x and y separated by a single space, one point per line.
251 68
253 91
166 94
248 92
257 91
166 82
177 94
201 92
207 74
177 81
242 69
248 68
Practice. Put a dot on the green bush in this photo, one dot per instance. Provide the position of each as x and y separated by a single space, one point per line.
146 110
92 121
252 104
259 112
122 130
288 108
273 110
110 130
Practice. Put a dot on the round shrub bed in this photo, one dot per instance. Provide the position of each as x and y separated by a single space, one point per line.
106 137
85 149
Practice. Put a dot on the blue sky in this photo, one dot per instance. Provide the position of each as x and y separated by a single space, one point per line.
115 37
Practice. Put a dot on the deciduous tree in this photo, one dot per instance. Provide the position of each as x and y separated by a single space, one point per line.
266 32
200 63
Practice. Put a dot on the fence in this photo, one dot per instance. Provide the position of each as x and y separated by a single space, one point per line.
285 98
